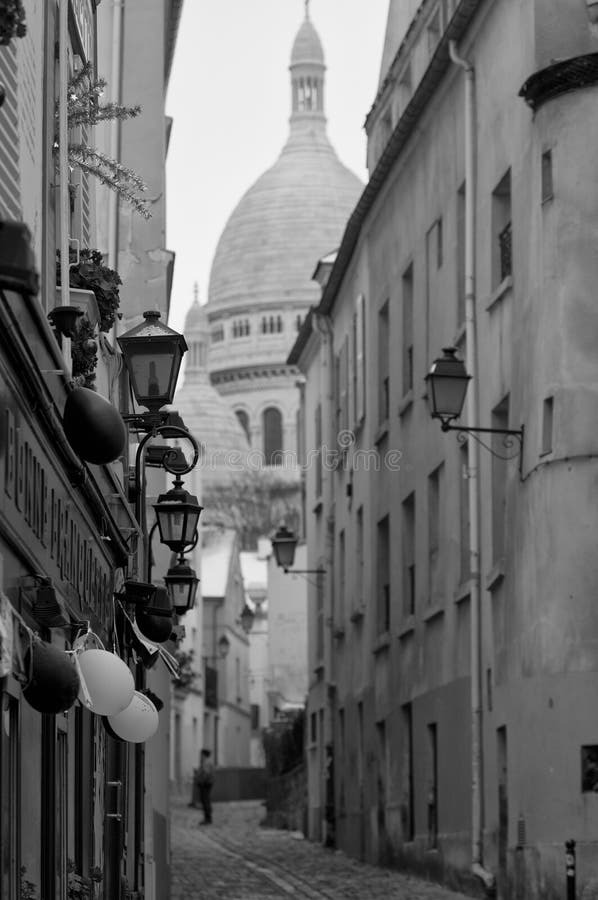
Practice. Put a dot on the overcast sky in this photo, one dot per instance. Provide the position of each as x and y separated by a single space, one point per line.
229 96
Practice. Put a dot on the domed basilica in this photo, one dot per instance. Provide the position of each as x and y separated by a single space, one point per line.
261 289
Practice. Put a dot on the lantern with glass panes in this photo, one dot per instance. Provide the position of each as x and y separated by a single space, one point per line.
447 383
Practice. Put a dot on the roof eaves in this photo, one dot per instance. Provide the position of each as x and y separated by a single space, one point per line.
301 340
401 134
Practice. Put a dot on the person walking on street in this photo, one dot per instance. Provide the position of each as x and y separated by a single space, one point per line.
205 782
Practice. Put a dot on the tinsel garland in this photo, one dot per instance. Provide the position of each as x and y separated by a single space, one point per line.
85 109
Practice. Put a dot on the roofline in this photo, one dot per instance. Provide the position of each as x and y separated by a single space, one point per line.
405 127
302 338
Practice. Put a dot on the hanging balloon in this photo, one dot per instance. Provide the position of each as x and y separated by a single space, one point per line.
138 722
109 681
93 426
53 684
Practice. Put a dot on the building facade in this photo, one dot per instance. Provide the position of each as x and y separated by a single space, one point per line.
74 799
450 711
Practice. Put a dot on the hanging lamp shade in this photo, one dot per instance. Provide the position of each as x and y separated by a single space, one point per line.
153 353
94 427
138 722
109 681
53 680
155 622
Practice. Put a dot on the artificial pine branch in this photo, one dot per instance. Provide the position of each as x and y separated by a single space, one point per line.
84 109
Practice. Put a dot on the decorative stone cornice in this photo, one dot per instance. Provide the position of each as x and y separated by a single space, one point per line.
253 373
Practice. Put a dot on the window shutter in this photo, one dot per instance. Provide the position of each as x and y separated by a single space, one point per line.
360 359
10 196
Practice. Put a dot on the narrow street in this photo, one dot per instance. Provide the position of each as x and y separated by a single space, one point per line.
237 860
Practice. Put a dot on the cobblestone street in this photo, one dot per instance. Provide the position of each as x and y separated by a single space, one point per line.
237 860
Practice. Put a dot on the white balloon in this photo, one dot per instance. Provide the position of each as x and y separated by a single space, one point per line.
109 681
138 722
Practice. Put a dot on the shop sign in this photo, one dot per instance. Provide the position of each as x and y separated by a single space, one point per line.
42 507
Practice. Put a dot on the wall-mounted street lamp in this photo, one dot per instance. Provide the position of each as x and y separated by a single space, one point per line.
284 544
246 619
181 583
153 353
447 383
177 515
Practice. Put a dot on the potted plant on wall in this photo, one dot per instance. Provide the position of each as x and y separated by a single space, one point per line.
91 274
12 21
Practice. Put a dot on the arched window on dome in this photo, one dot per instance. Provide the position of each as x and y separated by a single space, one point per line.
244 423
301 95
308 95
271 325
315 93
272 430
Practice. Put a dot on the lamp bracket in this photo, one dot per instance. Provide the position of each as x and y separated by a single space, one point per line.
304 571
512 439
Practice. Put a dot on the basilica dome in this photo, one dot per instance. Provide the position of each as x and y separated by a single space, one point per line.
206 414
295 212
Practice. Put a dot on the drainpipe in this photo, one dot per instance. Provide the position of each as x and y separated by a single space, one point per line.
63 169
477 746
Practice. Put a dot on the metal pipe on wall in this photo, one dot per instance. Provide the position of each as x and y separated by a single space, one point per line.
471 354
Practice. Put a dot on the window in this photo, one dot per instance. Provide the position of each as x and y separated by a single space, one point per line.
10 820
359 359
461 255
341 579
464 521
319 618
547 424
432 786
279 324
313 728
547 185
500 419
589 768
383 373
407 782
408 510
241 328
298 322
272 424
383 576
217 334
501 231
359 560
255 717
342 388
243 418
435 499
407 285
319 462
